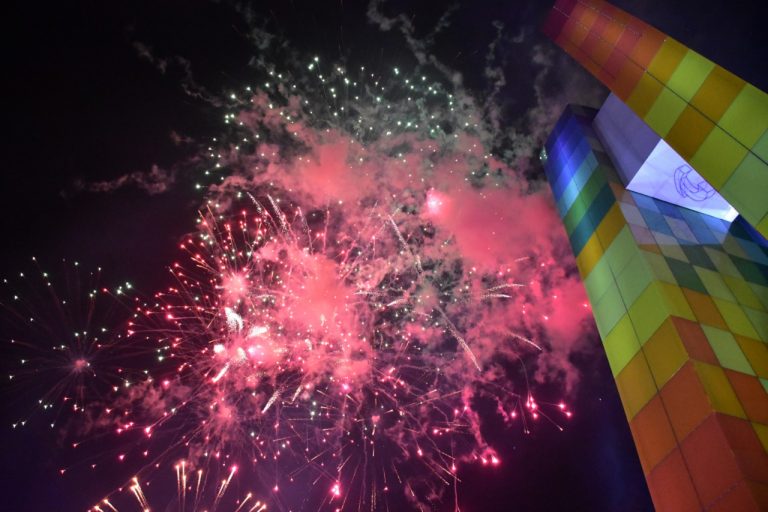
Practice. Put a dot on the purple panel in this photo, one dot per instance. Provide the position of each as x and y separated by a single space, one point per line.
626 137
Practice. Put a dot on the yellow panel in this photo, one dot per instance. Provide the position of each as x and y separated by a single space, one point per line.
688 132
589 255
667 59
621 345
665 353
717 92
719 390
644 94
675 300
610 225
636 385
736 319
717 157
747 117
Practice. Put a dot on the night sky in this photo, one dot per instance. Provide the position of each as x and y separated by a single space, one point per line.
100 90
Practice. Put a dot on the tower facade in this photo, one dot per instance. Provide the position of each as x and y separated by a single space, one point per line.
664 193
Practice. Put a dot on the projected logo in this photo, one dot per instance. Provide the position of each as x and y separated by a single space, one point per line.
689 184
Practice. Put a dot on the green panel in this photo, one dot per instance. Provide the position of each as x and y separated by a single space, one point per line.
717 157
575 213
759 321
659 267
664 112
747 117
742 291
690 74
634 278
608 310
761 147
648 313
747 189
727 350
761 292
737 320
621 345
723 262
686 275
599 280
714 284
621 250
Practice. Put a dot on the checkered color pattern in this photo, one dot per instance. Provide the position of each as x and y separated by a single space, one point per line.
712 118
681 303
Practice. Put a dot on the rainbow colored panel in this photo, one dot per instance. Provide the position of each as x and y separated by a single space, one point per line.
680 299
712 118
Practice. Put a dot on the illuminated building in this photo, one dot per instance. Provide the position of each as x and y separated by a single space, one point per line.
664 195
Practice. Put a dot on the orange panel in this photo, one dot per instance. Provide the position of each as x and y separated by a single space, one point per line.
584 14
688 132
653 434
751 394
721 395
756 352
705 309
717 92
671 486
710 461
647 47
695 340
574 31
685 400
627 79
609 29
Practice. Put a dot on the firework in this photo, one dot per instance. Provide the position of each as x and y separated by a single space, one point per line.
358 298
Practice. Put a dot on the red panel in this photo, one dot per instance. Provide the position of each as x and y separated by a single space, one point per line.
746 447
615 62
710 461
745 497
685 400
751 394
627 41
628 77
590 44
695 341
599 26
671 486
565 5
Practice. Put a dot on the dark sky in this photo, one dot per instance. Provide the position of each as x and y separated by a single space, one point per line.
81 105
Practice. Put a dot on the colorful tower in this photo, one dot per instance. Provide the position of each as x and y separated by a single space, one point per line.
664 196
